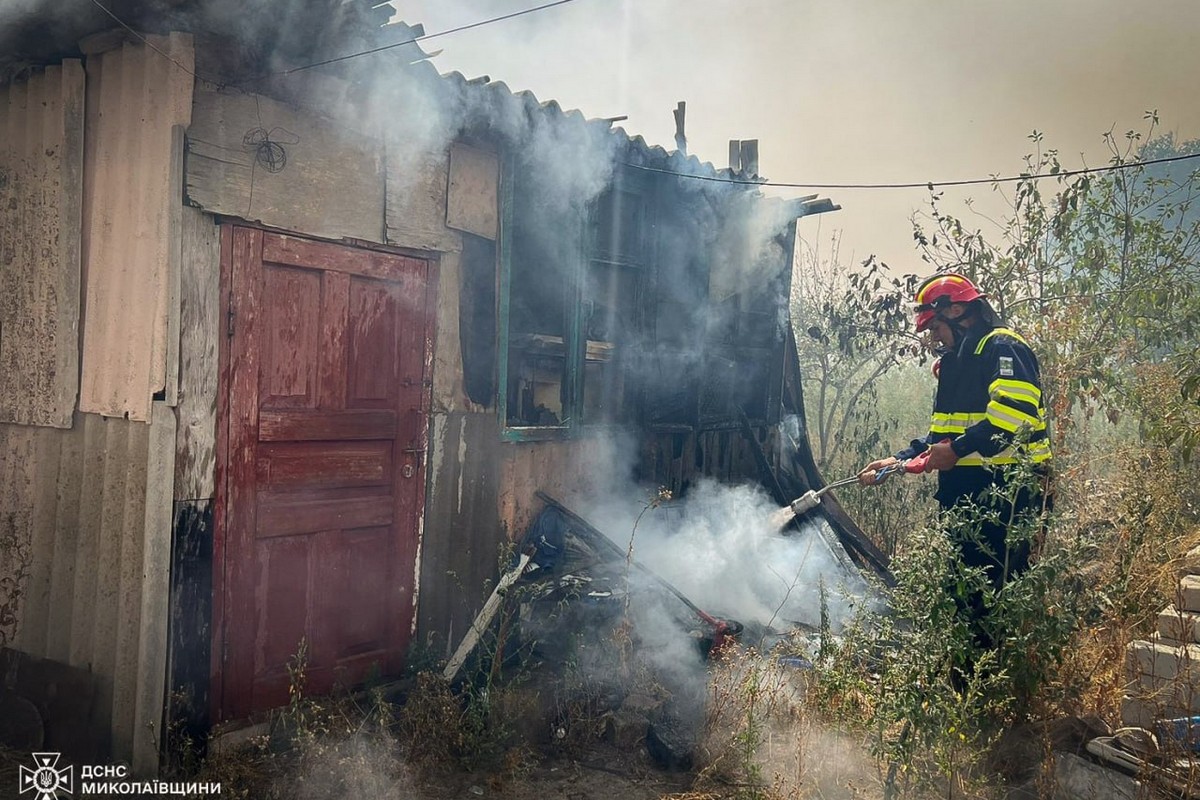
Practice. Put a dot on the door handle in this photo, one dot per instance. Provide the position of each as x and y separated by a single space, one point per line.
408 470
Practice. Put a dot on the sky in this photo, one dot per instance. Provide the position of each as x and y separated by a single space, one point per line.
849 91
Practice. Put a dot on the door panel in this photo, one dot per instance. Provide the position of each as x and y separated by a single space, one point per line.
328 426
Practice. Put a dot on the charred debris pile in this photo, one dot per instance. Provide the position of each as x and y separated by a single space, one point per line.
599 629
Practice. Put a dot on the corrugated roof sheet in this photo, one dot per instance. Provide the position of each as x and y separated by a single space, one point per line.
41 178
638 151
131 186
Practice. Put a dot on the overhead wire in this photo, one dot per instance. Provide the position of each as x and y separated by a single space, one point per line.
990 180
143 39
336 59
993 179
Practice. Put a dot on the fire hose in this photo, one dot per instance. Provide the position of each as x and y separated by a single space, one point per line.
812 498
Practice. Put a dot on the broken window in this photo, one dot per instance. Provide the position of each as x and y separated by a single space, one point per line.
615 273
569 294
541 263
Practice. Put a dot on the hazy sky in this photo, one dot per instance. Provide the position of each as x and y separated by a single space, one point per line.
849 91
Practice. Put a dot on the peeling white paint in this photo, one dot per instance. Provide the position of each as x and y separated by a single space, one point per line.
416 595
437 422
437 426
462 460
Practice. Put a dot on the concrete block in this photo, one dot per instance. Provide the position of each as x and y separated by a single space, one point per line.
1162 659
1189 593
1077 778
1179 626
1166 693
1140 711
1191 562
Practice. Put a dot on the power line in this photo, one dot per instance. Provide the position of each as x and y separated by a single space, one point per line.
994 179
1066 173
422 38
143 39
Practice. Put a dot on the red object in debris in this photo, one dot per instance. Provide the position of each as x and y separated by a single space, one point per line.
724 633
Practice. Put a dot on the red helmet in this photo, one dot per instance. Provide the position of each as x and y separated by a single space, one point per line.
939 291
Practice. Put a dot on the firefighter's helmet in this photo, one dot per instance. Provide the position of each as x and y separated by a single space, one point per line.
936 293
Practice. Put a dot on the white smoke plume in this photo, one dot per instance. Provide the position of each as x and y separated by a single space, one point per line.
717 548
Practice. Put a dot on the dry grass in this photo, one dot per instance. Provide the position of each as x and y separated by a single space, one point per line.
332 747
764 739
767 734
1146 519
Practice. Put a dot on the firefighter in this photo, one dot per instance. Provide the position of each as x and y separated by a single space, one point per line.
987 410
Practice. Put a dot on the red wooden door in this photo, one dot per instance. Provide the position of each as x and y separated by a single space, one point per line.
329 361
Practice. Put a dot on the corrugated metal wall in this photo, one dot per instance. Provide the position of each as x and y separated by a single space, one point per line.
133 177
41 174
94 503
88 509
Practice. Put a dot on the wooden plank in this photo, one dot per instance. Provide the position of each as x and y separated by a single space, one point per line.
474 183
237 654
66 543
288 513
296 426
90 522
331 184
105 603
220 527
332 464
766 472
335 321
174 267
155 589
295 251
462 525
484 619
70 230
190 627
16 523
43 467
130 580
416 198
200 322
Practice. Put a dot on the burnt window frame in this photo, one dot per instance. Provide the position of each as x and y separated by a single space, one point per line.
575 273
637 263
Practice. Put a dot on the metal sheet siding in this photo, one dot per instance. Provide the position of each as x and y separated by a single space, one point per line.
41 191
91 509
134 99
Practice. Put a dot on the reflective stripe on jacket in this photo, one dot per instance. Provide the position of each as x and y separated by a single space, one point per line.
988 391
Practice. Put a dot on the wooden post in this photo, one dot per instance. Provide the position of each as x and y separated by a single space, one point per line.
680 136
484 618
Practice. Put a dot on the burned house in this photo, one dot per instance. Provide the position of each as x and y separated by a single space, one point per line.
286 353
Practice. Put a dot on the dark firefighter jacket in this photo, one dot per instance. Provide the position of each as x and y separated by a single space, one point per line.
988 389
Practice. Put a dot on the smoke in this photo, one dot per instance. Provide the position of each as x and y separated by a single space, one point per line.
803 758
717 548
359 766
13 10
